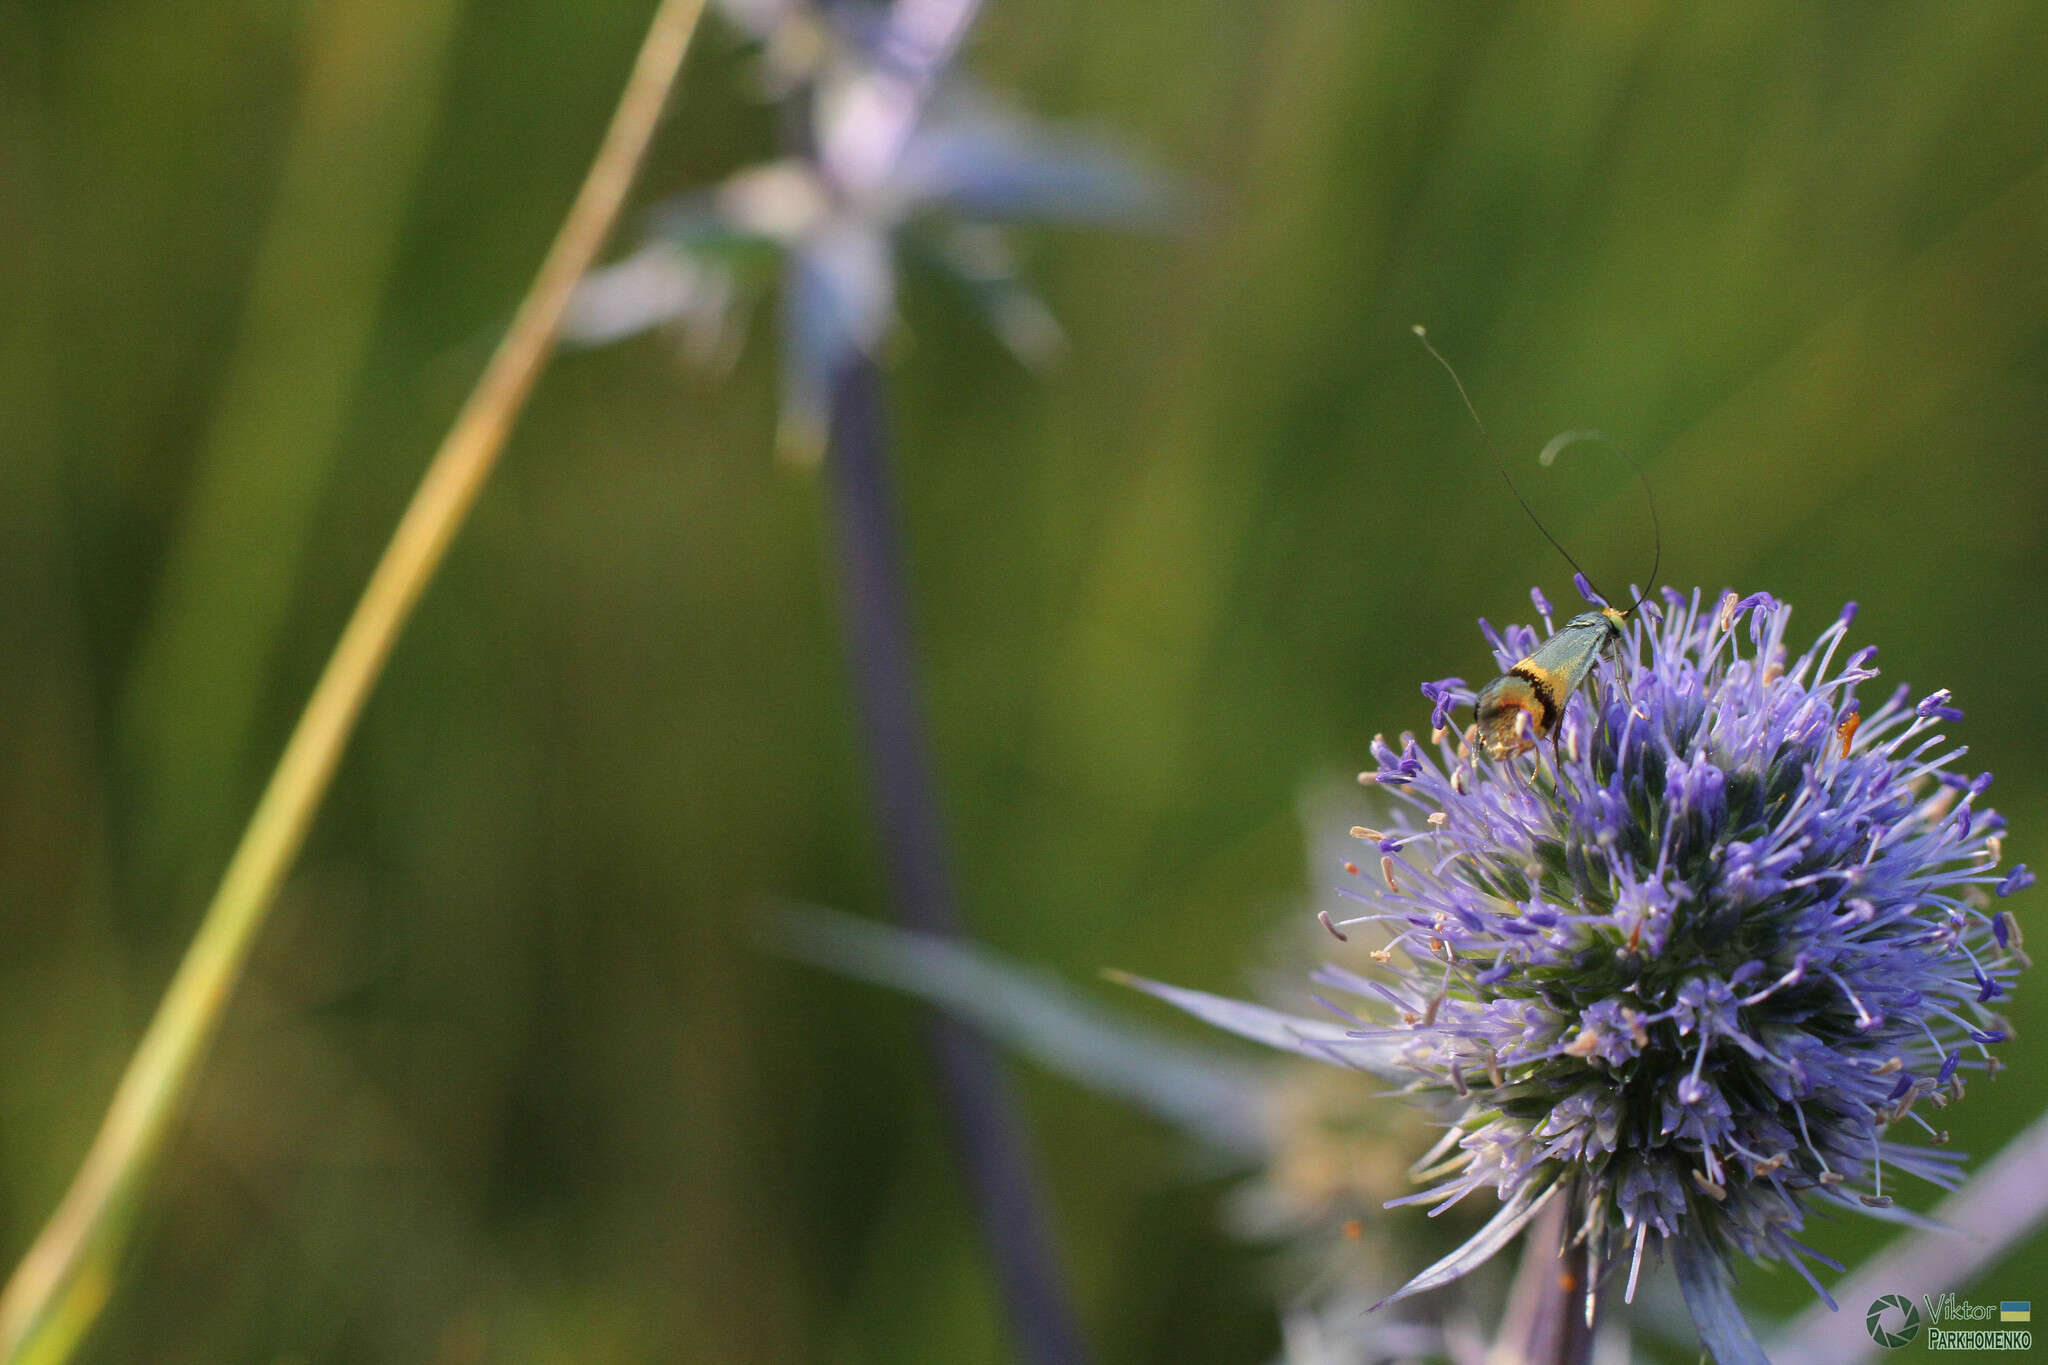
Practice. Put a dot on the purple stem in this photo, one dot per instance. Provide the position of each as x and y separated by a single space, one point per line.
1545 1323
987 1137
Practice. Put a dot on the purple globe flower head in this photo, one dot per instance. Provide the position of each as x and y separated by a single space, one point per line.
903 162
1699 965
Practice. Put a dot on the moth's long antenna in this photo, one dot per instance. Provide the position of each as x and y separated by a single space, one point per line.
1567 438
1422 335
1549 454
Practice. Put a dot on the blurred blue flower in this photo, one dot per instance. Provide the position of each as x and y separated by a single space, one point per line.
1688 967
901 164
1319 1152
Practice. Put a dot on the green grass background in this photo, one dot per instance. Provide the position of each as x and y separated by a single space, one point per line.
507 1080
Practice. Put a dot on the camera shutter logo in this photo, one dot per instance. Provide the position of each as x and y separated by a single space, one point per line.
1908 1329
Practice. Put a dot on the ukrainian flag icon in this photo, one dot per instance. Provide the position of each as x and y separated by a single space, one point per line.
2016 1310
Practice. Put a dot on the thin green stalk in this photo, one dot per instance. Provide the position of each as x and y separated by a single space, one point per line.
374 70
55 1291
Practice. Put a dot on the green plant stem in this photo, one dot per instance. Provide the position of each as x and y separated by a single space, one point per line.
374 71
52 1287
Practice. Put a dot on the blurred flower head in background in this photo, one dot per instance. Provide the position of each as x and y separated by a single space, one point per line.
898 162
1316 1155
1686 967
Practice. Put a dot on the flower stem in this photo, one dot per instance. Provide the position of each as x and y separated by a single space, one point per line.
986 1135
1546 1322
56 1290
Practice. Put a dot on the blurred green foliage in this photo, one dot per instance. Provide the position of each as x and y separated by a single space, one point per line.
509 1080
